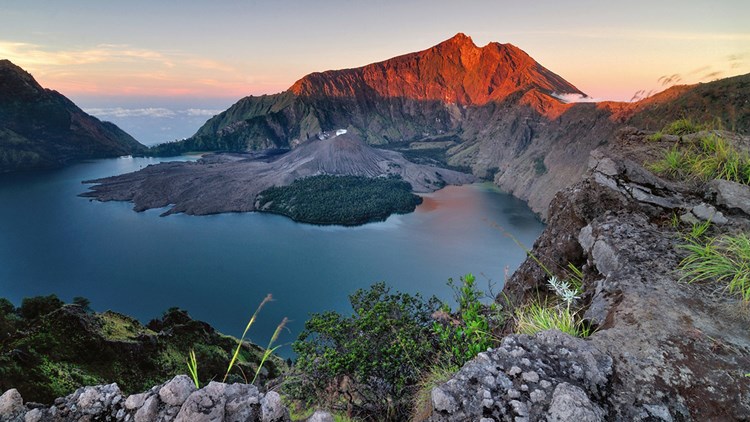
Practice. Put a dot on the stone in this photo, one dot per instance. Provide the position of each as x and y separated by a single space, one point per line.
242 403
530 376
176 391
570 403
272 410
134 401
204 405
11 405
320 416
443 402
33 415
731 194
148 411
706 212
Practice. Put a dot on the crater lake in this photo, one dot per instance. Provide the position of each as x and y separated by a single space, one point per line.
219 267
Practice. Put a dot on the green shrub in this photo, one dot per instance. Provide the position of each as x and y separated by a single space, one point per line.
655 137
373 358
470 333
35 307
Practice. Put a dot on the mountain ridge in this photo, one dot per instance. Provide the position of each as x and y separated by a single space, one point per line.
41 128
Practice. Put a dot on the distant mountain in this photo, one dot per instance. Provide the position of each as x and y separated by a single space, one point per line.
42 128
492 110
404 98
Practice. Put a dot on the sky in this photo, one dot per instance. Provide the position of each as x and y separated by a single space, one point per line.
191 58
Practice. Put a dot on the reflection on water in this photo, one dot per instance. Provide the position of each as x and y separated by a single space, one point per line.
219 267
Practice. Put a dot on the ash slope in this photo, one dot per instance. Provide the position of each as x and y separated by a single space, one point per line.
230 183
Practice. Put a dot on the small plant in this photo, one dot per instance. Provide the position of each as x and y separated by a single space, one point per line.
563 289
698 230
192 364
655 137
540 315
270 348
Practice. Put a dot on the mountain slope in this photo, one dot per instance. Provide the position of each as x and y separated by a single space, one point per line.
42 128
403 98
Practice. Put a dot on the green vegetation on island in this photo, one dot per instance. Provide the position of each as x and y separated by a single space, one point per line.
344 200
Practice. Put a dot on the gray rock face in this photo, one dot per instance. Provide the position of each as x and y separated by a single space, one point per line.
731 194
175 392
676 348
570 403
176 400
521 379
11 405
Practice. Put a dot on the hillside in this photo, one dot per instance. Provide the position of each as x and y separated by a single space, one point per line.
41 128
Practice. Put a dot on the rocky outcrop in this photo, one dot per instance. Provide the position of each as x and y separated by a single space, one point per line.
678 351
550 375
176 400
42 128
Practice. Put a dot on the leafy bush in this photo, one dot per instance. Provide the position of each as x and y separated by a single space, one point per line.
35 307
370 362
469 334
374 362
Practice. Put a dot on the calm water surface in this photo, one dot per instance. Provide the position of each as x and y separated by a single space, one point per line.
219 267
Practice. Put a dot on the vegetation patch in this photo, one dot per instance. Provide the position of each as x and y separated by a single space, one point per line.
48 349
344 200
724 259
709 157
380 362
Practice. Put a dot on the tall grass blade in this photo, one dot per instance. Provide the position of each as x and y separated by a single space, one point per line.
267 299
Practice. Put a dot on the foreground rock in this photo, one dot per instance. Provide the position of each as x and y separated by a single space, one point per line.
550 375
176 400
678 351
230 183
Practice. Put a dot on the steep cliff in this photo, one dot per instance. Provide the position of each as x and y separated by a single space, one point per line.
664 349
42 128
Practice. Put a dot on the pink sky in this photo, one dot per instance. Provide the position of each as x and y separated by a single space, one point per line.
191 49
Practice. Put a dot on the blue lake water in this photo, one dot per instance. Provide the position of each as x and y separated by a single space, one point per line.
220 267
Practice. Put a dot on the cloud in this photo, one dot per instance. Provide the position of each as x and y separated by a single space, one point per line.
201 112
121 112
155 112
124 69
575 98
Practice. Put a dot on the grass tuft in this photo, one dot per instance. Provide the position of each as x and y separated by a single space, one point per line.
250 323
711 157
725 259
539 315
